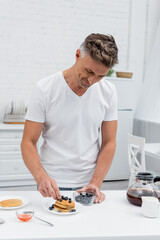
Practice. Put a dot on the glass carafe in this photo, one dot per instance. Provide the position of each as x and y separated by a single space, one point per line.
144 185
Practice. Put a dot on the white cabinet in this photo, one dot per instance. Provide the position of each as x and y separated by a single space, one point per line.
13 171
120 168
125 91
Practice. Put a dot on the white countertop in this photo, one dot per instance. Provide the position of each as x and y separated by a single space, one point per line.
114 219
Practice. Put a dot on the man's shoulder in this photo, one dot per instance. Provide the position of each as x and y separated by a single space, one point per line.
49 80
106 85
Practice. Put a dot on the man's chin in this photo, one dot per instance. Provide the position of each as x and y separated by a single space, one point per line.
82 84
84 87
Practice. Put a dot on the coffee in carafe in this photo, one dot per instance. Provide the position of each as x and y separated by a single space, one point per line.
144 186
134 195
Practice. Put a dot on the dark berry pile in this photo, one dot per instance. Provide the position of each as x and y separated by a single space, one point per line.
84 198
65 198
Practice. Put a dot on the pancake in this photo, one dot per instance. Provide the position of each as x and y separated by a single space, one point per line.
11 203
58 209
65 204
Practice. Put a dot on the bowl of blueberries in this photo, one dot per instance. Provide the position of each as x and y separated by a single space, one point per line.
85 198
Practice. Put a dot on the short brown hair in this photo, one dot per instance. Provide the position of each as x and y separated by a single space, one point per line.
101 48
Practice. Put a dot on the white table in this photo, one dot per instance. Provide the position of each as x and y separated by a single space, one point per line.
152 150
114 219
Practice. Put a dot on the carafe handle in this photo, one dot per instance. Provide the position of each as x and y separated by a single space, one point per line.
157 179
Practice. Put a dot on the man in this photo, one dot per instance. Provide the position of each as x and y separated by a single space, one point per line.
71 109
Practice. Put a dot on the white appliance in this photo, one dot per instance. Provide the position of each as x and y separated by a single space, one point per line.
119 169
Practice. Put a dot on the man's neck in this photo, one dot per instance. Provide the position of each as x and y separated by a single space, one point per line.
72 81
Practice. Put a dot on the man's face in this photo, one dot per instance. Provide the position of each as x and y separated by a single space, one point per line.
88 71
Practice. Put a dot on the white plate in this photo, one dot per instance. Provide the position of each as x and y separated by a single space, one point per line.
23 199
49 204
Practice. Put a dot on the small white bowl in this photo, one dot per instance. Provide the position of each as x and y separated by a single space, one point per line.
24 215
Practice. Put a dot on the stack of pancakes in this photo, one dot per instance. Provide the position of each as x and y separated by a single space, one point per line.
64 204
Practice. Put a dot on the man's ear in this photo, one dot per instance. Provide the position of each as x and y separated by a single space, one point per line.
78 53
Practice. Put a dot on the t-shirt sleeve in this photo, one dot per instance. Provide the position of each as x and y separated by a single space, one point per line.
111 113
36 108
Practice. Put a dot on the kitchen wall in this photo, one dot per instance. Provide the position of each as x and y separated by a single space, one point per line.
38 38
153 17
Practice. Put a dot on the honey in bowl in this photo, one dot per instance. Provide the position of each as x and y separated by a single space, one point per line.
24 215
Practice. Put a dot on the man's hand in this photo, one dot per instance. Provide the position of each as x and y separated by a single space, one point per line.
46 185
100 197
48 188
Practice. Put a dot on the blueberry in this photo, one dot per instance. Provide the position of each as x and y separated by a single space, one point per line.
60 200
51 208
73 210
62 197
69 199
78 198
66 198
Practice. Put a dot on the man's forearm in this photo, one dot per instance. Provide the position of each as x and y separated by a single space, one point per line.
104 161
32 160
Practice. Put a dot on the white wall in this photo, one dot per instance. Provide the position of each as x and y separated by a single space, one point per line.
137 45
153 17
40 37
144 22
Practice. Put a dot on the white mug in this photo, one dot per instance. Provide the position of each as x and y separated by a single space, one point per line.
150 206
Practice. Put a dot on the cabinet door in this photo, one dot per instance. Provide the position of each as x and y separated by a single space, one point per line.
13 167
10 141
10 148
13 171
10 155
120 168
11 134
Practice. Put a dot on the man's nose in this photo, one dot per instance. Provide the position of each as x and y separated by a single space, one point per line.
91 79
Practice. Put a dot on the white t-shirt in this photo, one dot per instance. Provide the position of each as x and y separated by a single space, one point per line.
72 126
